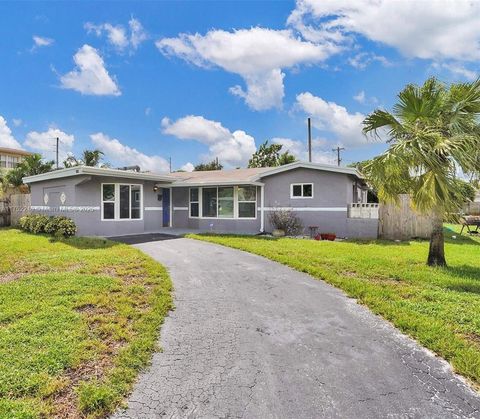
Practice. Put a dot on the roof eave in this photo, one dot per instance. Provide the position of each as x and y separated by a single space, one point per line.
94 171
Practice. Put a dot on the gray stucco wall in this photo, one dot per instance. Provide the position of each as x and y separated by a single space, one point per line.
327 209
181 217
83 205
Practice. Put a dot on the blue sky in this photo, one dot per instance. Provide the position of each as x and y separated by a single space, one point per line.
145 81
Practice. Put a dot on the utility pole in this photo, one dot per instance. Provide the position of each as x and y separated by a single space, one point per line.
170 164
58 140
309 122
338 150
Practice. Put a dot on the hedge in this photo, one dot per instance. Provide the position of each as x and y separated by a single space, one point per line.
54 225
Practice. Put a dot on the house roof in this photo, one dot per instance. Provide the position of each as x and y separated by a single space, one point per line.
250 176
97 171
14 151
215 177
211 177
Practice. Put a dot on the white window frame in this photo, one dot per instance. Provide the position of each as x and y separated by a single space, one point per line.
116 202
235 203
190 202
243 201
302 185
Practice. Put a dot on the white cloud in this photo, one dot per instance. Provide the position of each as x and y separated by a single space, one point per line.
44 142
188 167
231 148
300 149
123 155
330 117
360 97
17 122
90 76
456 69
40 41
436 30
6 138
119 36
137 33
258 55
363 59
148 111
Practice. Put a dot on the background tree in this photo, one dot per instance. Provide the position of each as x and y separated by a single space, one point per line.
432 133
213 165
286 158
90 158
31 165
268 155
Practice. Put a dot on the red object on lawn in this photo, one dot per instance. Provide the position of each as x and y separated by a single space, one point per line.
328 236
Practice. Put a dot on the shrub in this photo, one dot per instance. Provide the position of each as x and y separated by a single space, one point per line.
58 226
65 227
287 221
37 225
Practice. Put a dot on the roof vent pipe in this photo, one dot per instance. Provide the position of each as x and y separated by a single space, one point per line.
309 120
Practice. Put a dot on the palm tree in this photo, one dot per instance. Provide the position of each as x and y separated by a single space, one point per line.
432 133
92 157
89 158
35 165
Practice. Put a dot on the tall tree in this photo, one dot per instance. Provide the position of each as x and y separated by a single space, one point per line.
268 155
432 133
213 165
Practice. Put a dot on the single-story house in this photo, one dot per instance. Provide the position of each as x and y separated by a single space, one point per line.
111 202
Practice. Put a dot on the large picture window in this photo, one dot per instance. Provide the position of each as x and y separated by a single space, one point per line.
121 201
223 202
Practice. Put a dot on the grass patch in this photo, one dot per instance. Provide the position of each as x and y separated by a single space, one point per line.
79 318
439 307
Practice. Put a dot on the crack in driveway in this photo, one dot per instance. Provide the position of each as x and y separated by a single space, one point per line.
251 338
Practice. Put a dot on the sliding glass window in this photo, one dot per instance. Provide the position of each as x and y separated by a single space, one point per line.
225 202
209 202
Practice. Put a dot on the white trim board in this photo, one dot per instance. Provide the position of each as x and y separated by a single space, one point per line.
153 209
180 208
305 209
65 208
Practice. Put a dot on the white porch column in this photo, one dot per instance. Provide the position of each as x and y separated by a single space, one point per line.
262 209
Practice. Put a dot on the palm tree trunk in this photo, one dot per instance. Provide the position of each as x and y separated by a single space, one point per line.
436 253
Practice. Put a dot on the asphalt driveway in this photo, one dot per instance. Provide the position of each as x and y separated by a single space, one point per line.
251 338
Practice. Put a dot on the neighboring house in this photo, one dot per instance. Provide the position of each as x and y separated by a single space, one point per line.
10 158
108 202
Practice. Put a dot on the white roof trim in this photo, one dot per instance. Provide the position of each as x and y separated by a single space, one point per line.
306 165
97 171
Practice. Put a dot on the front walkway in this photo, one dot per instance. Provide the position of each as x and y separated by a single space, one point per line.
251 338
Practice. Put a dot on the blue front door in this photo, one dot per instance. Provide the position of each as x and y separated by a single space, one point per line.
166 207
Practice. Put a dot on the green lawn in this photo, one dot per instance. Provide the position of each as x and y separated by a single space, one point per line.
78 319
438 307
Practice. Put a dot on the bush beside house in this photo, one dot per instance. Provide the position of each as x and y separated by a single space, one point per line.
56 226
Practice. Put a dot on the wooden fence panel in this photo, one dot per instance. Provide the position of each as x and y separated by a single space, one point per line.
401 222
472 208
4 213
19 206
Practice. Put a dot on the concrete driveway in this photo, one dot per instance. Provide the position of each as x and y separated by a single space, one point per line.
251 338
